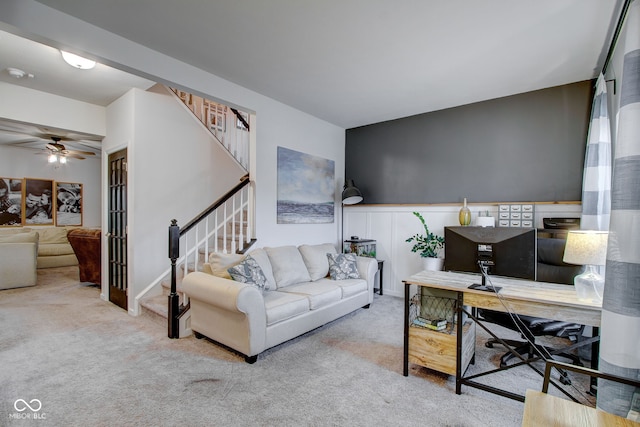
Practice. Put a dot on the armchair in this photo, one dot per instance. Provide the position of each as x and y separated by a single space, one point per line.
86 244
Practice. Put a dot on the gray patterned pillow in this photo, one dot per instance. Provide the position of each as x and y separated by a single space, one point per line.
343 266
248 271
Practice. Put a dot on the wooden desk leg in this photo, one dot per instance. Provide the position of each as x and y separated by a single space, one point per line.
459 343
405 368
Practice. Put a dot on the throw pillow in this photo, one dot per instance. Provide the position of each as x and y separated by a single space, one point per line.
53 235
31 237
343 266
288 266
260 255
219 263
248 271
315 258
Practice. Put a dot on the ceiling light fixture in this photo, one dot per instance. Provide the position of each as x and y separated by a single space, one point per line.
52 158
77 61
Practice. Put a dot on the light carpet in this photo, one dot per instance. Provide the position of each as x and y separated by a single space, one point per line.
89 363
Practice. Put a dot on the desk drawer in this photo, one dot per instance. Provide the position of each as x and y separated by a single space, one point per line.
437 350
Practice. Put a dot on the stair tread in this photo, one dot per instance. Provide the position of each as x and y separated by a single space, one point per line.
158 305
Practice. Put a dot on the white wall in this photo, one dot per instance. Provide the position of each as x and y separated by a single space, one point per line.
44 109
391 226
176 170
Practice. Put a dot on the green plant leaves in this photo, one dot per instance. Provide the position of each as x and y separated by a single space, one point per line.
428 244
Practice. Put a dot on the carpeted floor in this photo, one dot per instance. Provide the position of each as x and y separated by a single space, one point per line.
91 364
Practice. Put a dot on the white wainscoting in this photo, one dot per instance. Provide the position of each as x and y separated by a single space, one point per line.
390 226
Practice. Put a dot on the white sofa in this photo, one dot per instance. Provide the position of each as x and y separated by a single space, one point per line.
18 258
299 295
54 249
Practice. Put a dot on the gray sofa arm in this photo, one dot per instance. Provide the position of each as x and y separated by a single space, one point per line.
218 303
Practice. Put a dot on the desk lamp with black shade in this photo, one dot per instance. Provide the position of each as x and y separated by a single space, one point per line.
588 248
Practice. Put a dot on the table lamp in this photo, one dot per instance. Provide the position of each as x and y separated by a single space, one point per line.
588 248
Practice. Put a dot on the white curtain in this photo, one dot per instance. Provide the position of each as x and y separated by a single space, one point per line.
596 182
620 326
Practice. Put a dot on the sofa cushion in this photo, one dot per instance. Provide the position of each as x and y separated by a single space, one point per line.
320 293
288 266
282 306
219 263
55 249
349 287
343 266
13 230
30 237
248 271
315 258
53 235
261 257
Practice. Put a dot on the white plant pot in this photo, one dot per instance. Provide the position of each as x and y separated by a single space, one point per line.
432 264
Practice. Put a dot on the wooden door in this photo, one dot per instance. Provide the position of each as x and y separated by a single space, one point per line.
117 234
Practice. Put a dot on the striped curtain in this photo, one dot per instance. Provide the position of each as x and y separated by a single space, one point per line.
620 327
596 182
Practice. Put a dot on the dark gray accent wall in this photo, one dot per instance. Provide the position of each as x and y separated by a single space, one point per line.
527 147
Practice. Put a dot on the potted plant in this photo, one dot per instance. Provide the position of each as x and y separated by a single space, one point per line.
428 245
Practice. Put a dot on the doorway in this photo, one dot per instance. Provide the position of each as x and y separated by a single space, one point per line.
117 234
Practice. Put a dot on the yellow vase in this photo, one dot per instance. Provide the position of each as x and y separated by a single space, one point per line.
464 216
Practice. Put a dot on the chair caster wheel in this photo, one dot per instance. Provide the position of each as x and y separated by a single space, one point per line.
565 380
503 364
488 344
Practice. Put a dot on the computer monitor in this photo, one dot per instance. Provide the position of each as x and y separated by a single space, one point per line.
503 251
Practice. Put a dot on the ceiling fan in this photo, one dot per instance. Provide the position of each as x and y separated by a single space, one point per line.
57 149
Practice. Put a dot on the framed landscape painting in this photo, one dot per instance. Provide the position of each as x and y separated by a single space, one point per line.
305 188
68 203
37 203
10 202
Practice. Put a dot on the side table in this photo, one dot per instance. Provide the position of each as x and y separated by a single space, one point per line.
380 266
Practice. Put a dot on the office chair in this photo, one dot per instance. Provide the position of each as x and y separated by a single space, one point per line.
552 269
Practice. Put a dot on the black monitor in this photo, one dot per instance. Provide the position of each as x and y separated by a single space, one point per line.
503 251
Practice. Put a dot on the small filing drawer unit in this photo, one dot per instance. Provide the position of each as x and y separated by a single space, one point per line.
516 215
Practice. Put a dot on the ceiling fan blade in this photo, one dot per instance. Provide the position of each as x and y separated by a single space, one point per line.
75 156
79 152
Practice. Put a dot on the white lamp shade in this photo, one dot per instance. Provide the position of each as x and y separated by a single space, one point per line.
586 247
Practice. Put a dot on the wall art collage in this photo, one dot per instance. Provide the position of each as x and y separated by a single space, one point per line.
31 201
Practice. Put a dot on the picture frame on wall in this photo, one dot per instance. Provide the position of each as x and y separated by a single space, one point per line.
37 202
306 185
10 202
68 203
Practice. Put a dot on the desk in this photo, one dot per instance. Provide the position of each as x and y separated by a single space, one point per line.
541 409
549 300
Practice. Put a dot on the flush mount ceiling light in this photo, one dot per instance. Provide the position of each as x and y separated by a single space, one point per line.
77 61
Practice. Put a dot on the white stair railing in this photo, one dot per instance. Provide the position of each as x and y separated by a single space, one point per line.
189 245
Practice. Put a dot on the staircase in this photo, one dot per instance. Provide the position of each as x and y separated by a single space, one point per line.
156 305
225 226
